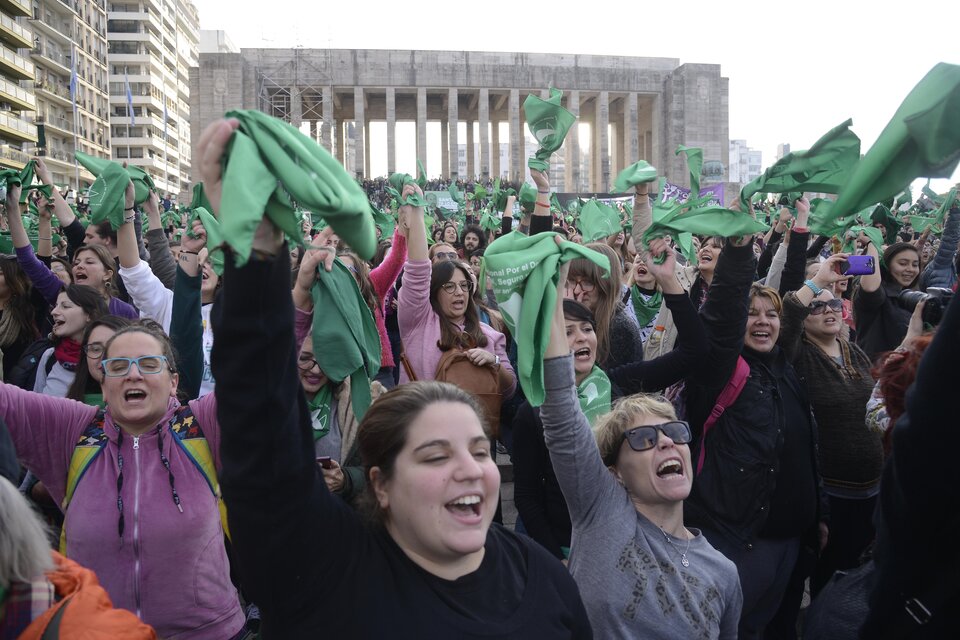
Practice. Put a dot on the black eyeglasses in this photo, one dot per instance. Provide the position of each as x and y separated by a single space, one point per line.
452 287
306 363
646 437
817 307
93 349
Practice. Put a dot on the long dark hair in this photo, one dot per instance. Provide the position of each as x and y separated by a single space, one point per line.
892 252
18 306
88 299
450 335
83 382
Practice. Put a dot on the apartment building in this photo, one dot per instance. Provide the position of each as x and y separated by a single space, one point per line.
152 45
17 103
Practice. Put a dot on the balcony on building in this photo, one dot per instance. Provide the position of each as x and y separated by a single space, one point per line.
13 65
14 34
53 90
16 96
13 158
53 26
16 7
16 128
59 124
52 58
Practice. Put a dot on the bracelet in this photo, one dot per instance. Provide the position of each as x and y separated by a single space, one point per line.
133 208
192 253
543 204
538 191
813 287
41 238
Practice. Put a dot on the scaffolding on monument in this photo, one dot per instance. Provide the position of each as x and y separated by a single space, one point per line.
274 96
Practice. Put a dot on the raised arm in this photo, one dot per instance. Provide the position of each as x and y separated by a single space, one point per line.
60 207
661 372
161 259
386 274
275 497
590 490
642 213
40 275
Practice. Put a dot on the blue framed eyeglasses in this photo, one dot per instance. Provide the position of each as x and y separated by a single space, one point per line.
147 365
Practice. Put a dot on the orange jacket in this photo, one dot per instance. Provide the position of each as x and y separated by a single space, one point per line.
84 609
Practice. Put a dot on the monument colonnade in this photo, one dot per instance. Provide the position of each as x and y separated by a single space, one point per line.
637 108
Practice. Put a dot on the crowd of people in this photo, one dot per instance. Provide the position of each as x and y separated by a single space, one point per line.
707 440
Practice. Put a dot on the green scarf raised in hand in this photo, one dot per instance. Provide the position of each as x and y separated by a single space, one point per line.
549 123
524 271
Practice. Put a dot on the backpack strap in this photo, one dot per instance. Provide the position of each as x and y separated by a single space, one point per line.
189 437
729 394
91 444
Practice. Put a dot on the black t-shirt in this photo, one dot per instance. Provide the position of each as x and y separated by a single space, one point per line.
504 567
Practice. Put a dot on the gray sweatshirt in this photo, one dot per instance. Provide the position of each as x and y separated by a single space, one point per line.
631 579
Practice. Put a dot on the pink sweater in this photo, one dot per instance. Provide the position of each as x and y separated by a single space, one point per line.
382 279
420 326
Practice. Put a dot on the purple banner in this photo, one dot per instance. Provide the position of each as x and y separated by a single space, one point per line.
681 194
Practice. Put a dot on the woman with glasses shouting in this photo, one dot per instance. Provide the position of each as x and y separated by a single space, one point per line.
641 572
838 380
138 484
436 312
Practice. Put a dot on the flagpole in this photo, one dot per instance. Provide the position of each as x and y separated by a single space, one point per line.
76 118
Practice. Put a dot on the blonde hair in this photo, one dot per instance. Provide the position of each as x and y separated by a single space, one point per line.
626 413
24 545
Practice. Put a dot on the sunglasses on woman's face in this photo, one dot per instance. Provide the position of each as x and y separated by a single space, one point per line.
817 307
646 437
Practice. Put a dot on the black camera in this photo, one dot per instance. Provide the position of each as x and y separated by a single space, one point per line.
937 301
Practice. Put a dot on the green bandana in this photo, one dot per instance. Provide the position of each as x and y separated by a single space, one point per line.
321 402
637 173
524 271
920 224
695 165
383 221
142 182
214 237
200 198
549 123
594 395
399 180
489 222
345 337
107 195
825 167
268 165
598 221
527 197
646 310
882 215
922 139
712 221
499 198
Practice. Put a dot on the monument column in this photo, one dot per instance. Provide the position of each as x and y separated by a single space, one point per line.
359 132
422 127
340 149
603 147
631 134
471 169
444 149
483 115
328 124
516 136
495 169
366 149
391 131
453 121
572 146
296 107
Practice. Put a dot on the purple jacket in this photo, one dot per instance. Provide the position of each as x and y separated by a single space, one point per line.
420 326
50 285
169 568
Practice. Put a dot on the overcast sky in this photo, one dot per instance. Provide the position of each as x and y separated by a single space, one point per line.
794 73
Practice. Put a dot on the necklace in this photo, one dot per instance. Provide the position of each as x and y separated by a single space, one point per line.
683 554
